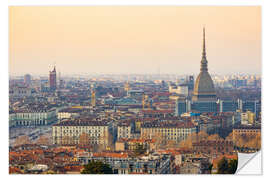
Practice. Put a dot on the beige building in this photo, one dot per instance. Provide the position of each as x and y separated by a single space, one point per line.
124 130
70 132
247 117
246 130
68 113
176 131
131 144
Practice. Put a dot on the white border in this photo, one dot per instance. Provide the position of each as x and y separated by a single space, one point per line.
4 71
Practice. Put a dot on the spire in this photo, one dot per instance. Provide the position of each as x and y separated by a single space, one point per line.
204 60
204 51
54 66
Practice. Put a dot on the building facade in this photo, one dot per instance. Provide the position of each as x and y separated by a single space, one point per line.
124 130
69 132
121 163
32 117
176 131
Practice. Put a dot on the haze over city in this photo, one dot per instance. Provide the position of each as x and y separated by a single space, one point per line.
134 39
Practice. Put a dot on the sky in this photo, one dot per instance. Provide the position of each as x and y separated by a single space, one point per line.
134 39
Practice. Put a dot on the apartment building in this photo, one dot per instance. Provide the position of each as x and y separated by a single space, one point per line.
176 131
70 132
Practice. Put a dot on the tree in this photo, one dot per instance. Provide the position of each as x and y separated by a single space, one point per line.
229 137
210 167
157 136
227 167
232 167
187 143
223 166
201 136
97 167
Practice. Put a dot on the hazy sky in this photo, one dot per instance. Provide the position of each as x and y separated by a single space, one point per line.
134 39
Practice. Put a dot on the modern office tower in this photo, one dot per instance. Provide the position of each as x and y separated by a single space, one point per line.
190 83
253 106
27 79
181 106
52 79
204 106
227 105
250 105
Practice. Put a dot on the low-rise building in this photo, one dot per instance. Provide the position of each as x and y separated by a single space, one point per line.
68 113
247 118
246 130
132 144
35 117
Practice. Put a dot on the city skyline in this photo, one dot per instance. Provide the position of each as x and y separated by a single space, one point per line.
140 40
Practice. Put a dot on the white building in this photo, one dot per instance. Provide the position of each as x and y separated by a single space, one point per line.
181 90
31 117
20 92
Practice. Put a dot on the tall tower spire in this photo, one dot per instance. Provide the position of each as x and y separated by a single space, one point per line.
204 51
204 60
204 89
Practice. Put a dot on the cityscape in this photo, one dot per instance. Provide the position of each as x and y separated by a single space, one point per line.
133 123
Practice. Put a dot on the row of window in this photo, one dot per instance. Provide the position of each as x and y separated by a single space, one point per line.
78 134
167 130
80 127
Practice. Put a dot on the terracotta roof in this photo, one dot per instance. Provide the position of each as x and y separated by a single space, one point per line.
136 140
157 111
158 124
14 170
110 154
82 123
